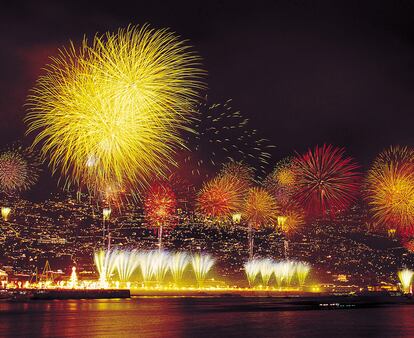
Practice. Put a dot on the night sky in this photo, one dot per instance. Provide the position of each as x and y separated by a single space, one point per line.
305 72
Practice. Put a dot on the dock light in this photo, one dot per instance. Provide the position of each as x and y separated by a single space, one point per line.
5 212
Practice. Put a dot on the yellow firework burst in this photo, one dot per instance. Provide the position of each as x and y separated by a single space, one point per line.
113 110
391 194
260 207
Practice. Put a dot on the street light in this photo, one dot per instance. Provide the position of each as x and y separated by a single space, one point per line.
5 212
106 213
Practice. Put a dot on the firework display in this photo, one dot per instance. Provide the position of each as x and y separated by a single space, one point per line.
18 170
123 265
390 189
122 118
394 154
112 110
328 181
409 245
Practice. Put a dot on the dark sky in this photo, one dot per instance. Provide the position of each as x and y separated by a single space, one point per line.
306 72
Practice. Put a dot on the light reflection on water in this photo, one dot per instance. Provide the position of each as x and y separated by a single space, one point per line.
193 317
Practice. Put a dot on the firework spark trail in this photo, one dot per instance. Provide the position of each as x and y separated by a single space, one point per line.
178 262
201 264
266 271
252 269
105 262
223 135
126 264
302 272
284 271
282 181
113 110
160 265
145 264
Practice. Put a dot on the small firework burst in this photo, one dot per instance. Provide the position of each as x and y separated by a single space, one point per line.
160 204
291 218
327 180
282 181
18 170
260 207
221 197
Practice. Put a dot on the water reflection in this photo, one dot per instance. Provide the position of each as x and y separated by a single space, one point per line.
191 317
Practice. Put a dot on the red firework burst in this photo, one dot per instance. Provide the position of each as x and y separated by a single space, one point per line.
160 203
326 180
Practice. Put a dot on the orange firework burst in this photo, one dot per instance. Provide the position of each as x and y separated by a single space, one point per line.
326 180
390 193
221 197
260 207
160 203
291 218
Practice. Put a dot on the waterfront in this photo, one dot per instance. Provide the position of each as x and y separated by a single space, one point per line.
196 317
